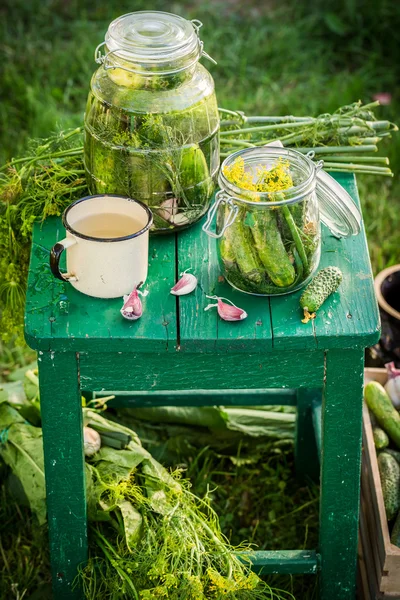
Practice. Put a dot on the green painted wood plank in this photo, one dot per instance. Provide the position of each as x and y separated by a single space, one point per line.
295 562
334 327
350 317
266 397
340 472
42 293
317 422
184 371
94 323
61 410
205 331
306 457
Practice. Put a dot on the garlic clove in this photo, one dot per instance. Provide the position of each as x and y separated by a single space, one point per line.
91 441
186 284
392 386
227 312
230 312
168 209
132 308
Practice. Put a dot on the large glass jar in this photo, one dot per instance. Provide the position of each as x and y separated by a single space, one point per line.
151 122
269 243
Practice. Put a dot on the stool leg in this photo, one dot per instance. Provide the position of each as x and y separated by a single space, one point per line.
306 456
340 472
61 409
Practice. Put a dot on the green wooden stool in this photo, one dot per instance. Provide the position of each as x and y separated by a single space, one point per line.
177 354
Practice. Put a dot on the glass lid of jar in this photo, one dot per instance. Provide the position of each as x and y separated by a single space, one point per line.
155 40
337 209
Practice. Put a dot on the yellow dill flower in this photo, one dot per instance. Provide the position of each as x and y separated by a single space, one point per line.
237 175
276 179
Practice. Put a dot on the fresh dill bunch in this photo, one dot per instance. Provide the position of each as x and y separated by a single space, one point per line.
157 538
33 187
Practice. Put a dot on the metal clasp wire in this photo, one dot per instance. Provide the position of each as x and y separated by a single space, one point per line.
319 164
220 198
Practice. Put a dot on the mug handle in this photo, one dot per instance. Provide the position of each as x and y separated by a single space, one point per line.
55 255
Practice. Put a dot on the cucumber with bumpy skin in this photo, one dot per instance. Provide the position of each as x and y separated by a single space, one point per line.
247 259
385 413
394 453
395 535
271 249
389 471
323 285
381 439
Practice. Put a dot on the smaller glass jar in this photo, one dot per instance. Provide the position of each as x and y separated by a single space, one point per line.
269 243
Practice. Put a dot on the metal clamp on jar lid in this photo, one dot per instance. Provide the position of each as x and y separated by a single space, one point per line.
153 41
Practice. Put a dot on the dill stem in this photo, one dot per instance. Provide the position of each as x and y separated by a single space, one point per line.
32 159
274 127
296 237
355 167
366 171
338 149
215 539
285 119
357 159
238 143
103 542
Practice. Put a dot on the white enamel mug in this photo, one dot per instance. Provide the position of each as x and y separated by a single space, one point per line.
99 266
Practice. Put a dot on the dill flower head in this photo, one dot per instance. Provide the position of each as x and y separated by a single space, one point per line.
276 179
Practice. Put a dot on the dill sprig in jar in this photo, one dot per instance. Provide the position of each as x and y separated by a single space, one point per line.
151 122
268 218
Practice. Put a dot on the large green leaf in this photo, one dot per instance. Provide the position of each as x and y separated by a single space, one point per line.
21 448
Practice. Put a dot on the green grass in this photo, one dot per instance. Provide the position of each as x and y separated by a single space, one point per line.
272 59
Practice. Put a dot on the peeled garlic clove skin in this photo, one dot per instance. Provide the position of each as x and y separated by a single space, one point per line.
91 441
229 312
185 285
132 308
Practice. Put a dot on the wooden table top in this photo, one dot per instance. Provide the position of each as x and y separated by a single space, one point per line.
348 319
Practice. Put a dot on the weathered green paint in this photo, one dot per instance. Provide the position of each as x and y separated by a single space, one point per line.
184 371
61 409
317 422
177 353
200 398
343 321
295 562
340 472
95 325
352 312
204 331
306 458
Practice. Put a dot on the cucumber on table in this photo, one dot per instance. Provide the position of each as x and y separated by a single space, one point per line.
389 470
381 406
323 285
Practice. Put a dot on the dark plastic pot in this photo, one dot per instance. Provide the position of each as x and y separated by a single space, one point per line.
387 288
